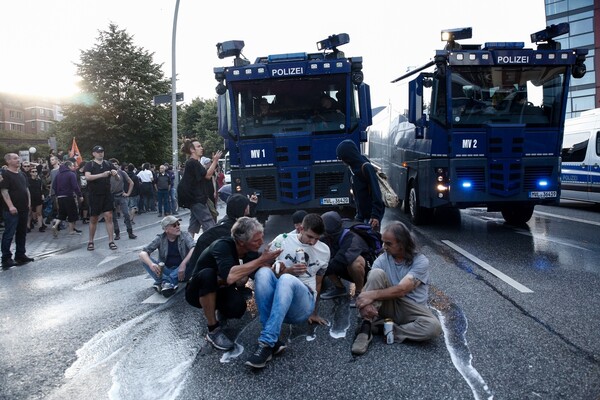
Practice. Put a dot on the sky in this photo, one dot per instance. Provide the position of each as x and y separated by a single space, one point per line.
42 40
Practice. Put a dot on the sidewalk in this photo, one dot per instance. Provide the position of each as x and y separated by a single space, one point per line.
146 226
44 243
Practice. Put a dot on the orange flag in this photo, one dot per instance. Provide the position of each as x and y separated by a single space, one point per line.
74 152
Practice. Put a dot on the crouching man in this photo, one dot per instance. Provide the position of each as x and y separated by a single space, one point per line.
288 291
397 287
221 272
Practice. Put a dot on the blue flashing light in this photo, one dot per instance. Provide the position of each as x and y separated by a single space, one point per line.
466 184
543 183
504 45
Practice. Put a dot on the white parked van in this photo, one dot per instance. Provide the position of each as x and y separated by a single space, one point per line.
580 176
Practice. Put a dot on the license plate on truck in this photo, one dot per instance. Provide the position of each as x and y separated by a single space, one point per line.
334 201
543 194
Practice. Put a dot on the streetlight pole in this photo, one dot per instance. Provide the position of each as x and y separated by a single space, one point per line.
174 99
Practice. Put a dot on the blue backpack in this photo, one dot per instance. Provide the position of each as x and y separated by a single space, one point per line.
370 236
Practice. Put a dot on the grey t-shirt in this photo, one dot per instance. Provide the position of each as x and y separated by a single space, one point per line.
396 271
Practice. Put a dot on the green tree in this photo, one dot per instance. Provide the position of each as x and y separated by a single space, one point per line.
114 108
199 120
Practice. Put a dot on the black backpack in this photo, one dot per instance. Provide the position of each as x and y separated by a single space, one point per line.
370 236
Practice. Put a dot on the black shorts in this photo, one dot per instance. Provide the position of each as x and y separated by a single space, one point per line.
67 209
100 203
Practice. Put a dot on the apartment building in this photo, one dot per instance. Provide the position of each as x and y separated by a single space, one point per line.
28 114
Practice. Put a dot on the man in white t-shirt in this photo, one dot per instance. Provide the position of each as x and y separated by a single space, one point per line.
288 291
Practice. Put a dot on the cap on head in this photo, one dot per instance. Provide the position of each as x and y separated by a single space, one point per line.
168 220
97 149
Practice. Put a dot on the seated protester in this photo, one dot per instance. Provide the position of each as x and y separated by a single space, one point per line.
397 288
288 291
238 206
174 250
218 280
348 258
297 218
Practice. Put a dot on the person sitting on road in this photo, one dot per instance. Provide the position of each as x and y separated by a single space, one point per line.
398 288
218 282
348 258
174 250
288 291
238 206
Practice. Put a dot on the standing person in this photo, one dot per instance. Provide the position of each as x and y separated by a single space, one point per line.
54 166
397 288
16 202
120 198
84 206
191 191
174 250
289 290
222 270
367 194
146 180
134 197
163 188
172 191
97 174
210 188
67 191
37 200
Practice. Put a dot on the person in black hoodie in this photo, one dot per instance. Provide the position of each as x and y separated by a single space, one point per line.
238 206
367 195
349 258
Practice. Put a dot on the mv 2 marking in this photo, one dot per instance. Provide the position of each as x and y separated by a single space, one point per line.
469 143
257 153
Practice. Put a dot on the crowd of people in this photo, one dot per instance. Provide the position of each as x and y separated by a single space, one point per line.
228 264
58 194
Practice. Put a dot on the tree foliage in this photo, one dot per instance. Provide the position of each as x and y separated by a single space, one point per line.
115 107
199 120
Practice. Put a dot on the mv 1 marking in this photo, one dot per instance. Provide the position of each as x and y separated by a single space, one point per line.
469 143
257 153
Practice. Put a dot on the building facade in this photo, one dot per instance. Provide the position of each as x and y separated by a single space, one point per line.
583 17
28 114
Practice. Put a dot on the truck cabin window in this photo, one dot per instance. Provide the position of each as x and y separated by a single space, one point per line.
307 104
530 95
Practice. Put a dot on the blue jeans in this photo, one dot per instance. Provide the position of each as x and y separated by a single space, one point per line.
14 226
169 274
173 200
281 300
162 198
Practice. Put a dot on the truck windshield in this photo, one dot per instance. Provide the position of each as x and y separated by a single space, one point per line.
307 104
530 95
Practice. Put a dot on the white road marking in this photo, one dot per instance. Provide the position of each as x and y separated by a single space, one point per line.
521 288
583 221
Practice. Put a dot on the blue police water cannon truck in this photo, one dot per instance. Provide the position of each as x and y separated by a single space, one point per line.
484 127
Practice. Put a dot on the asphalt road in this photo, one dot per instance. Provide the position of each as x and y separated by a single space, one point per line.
518 305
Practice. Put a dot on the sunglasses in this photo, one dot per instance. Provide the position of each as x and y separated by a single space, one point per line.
176 224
